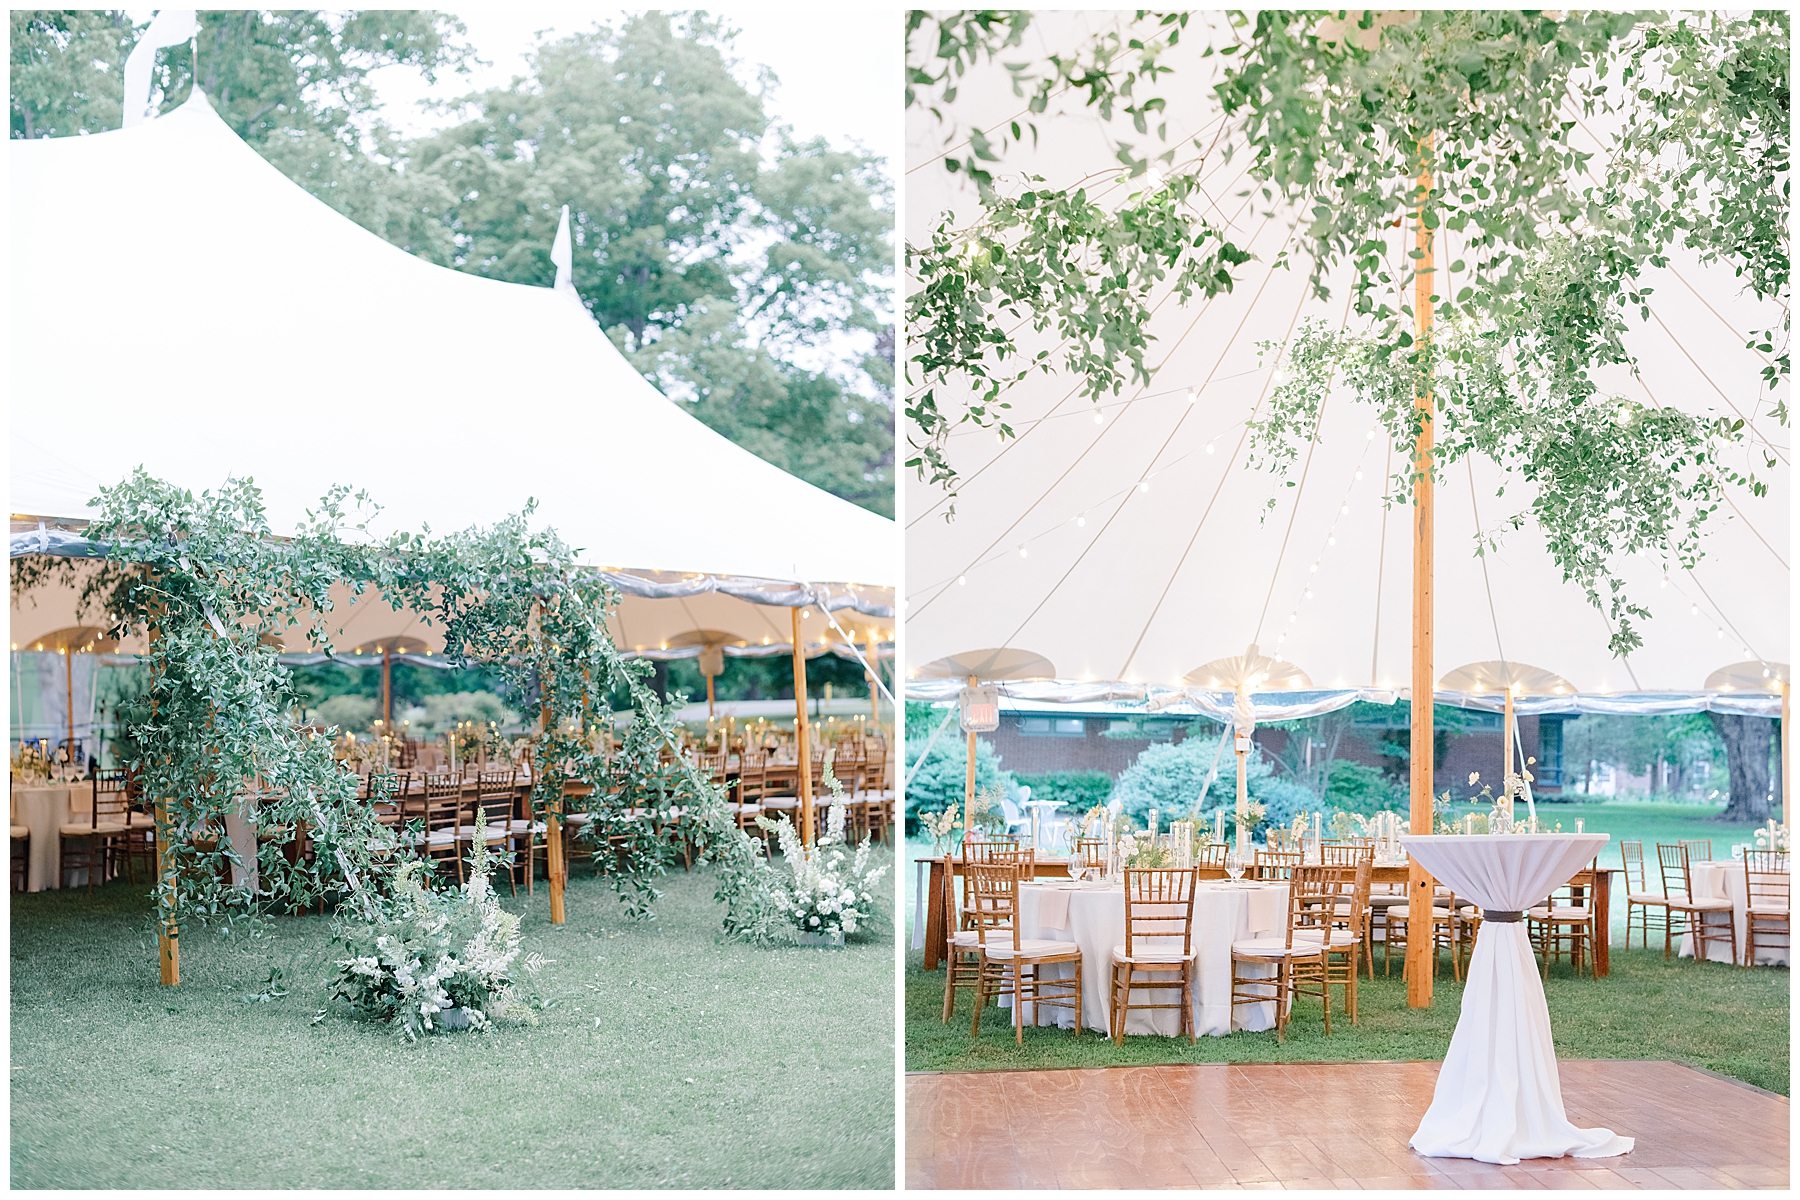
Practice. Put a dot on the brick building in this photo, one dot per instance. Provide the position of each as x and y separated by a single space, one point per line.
1075 739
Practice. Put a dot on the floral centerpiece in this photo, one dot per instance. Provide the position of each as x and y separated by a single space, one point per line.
30 766
828 896
941 826
427 961
1772 836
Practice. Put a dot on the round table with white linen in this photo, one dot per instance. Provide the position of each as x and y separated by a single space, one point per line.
1094 919
1498 1097
1725 878
44 811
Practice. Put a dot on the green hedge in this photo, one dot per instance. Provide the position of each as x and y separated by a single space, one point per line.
1076 791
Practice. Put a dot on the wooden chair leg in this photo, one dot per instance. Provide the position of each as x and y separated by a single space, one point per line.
1019 1005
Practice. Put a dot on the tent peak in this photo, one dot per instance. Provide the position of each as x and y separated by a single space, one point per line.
562 253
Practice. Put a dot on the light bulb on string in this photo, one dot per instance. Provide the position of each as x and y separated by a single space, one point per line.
1693 610
1315 568
1331 541
1342 509
1209 447
1099 417
1359 472
1081 521
1193 395
962 579
1143 485
1022 552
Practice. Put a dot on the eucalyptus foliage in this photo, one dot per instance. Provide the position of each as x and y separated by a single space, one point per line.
1460 122
215 591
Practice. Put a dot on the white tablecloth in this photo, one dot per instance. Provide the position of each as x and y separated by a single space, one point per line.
1223 913
1726 878
44 811
1498 1097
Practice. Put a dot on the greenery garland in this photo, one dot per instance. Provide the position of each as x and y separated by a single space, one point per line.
215 591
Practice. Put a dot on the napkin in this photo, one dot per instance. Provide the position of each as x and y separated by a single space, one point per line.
1053 909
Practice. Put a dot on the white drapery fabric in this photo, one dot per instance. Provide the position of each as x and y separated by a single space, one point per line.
170 27
1498 1097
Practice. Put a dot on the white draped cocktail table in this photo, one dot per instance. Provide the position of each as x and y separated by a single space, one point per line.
1498 1098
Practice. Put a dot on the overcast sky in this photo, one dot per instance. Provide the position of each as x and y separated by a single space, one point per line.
839 66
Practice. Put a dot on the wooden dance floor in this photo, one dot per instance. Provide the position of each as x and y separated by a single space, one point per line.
1317 1125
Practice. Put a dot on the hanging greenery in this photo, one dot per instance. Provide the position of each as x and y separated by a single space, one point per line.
1462 122
216 592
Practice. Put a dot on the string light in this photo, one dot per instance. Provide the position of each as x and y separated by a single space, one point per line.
1209 447
962 579
1144 485
1099 417
1193 395
1081 521
1023 553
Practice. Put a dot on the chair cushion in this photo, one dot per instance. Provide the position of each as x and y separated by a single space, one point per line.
781 802
1031 948
438 837
1274 947
1149 953
104 829
20 833
521 825
1704 904
1339 937
1404 911
1646 897
495 833
1560 913
142 821
1759 910
575 819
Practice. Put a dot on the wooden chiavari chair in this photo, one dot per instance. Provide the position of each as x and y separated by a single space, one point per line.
21 856
1699 849
1687 912
139 843
1298 956
1276 864
440 842
1440 928
1280 839
1358 854
1010 964
1159 908
962 966
1088 852
1566 918
497 800
1766 898
1639 896
749 804
93 844
1209 860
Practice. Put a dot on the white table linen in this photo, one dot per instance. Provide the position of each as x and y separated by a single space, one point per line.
44 811
1095 921
1498 1097
1725 879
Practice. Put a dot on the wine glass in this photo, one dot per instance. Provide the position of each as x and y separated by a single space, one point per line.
1234 865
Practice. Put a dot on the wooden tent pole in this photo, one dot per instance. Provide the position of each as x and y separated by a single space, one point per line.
1787 757
168 944
69 677
802 748
1421 949
969 785
874 684
553 847
387 688
709 697
1507 733
1243 795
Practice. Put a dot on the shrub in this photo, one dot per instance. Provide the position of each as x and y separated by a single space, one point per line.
1354 787
446 709
1168 776
350 713
1076 791
940 782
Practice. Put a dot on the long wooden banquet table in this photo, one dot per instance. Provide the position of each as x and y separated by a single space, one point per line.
1595 878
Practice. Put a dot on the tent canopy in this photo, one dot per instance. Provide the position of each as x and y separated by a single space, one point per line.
179 303
1128 550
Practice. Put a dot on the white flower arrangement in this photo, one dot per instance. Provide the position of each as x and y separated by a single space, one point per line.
827 895
419 953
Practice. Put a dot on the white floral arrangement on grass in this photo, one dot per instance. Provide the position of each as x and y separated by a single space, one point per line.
827 894
418 954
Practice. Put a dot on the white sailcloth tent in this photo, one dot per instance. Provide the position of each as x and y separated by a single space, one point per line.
1130 542
179 303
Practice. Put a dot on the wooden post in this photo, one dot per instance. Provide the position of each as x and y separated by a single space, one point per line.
69 676
387 688
802 745
1420 951
709 697
1787 758
874 689
1507 733
553 847
969 786
167 944
1243 797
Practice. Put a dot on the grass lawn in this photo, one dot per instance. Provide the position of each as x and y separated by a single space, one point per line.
1712 1015
665 1058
